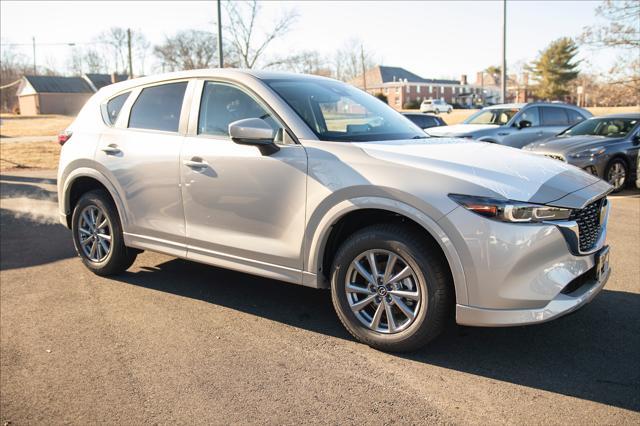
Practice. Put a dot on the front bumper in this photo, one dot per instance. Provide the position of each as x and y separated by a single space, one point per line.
561 305
520 274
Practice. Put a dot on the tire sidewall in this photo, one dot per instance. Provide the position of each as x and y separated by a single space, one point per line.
412 257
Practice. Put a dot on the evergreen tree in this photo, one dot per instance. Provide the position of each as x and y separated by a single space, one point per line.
555 68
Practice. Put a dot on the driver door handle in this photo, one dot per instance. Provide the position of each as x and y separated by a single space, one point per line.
195 163
111 149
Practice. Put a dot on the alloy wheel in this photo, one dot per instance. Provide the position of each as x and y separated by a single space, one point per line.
617 175
383 291
94 233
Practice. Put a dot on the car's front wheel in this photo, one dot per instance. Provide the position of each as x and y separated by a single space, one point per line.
97 235
390 288
616 174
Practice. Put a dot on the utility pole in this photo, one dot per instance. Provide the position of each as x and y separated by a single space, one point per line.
364 70
129 49
33 39
504 51
220 56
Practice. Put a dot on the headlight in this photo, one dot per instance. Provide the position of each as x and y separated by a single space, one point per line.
510 211
591 152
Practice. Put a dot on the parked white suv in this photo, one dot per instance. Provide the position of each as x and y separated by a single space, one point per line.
314 182
435 106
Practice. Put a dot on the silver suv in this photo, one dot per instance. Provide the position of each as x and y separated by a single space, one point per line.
311 181
515 125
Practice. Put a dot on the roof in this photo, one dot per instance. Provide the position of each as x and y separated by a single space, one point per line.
101 80
393 74
54 84
635 115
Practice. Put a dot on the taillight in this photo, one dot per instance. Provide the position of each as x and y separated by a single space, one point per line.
64 137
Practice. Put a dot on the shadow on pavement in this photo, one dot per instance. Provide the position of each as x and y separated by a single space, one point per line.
592 354
29 179
27 241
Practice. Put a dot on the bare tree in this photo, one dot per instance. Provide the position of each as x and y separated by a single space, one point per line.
350 60
308 62
622 31
245 43
115 41
187 50
12 67
87 61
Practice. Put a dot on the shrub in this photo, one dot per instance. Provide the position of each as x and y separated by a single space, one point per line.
411 105
382 97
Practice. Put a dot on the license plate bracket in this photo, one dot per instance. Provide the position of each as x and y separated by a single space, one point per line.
602 263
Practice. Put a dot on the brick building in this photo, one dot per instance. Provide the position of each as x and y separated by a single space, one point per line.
402 87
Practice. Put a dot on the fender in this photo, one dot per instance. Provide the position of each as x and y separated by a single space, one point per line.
316 243
65 191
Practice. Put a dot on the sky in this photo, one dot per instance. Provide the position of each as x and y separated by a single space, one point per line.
430 38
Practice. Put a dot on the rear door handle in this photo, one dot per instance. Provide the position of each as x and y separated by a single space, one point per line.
195 163
111 149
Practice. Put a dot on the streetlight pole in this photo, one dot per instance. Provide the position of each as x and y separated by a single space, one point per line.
220 56
33 39
504 51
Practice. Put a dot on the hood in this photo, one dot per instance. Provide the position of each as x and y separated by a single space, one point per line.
569 143
503 171
459 129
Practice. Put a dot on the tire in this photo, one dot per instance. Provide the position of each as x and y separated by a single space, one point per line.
99 260
617 174
431 280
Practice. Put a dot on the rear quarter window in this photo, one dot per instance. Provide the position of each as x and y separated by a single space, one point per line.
575 116
113 108
158 107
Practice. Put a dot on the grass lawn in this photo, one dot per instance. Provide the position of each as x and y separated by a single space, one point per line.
39 125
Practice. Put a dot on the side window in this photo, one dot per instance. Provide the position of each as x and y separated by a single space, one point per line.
222 104
554 116
114 105
532 115
574 116
158 107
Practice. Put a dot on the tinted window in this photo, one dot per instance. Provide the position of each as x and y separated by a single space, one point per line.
554 116
574 116
223 104
114 106
158 107
532 115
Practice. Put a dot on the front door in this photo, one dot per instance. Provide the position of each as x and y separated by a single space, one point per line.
243 210
519 137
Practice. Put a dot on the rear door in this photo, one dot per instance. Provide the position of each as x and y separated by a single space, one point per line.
140 155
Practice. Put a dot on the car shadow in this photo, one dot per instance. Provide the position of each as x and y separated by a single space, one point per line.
591 354
30 240
27 179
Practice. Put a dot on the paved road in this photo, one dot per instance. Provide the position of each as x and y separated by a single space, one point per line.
177 342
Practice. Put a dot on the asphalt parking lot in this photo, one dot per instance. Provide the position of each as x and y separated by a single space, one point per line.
178 342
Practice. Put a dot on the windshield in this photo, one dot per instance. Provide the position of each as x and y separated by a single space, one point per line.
338 112
608 127
498 116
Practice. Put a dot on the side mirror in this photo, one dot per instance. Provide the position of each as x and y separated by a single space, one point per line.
256 132
636 139
523 124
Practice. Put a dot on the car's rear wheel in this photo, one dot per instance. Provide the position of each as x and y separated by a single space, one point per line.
97 235
390 288
616 174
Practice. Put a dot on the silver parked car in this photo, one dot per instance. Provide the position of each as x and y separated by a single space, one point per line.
311 181
515 125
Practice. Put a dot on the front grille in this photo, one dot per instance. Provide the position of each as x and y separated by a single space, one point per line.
555 156
588 220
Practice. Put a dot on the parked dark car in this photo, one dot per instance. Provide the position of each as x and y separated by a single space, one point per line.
425 121
604 146
515 125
